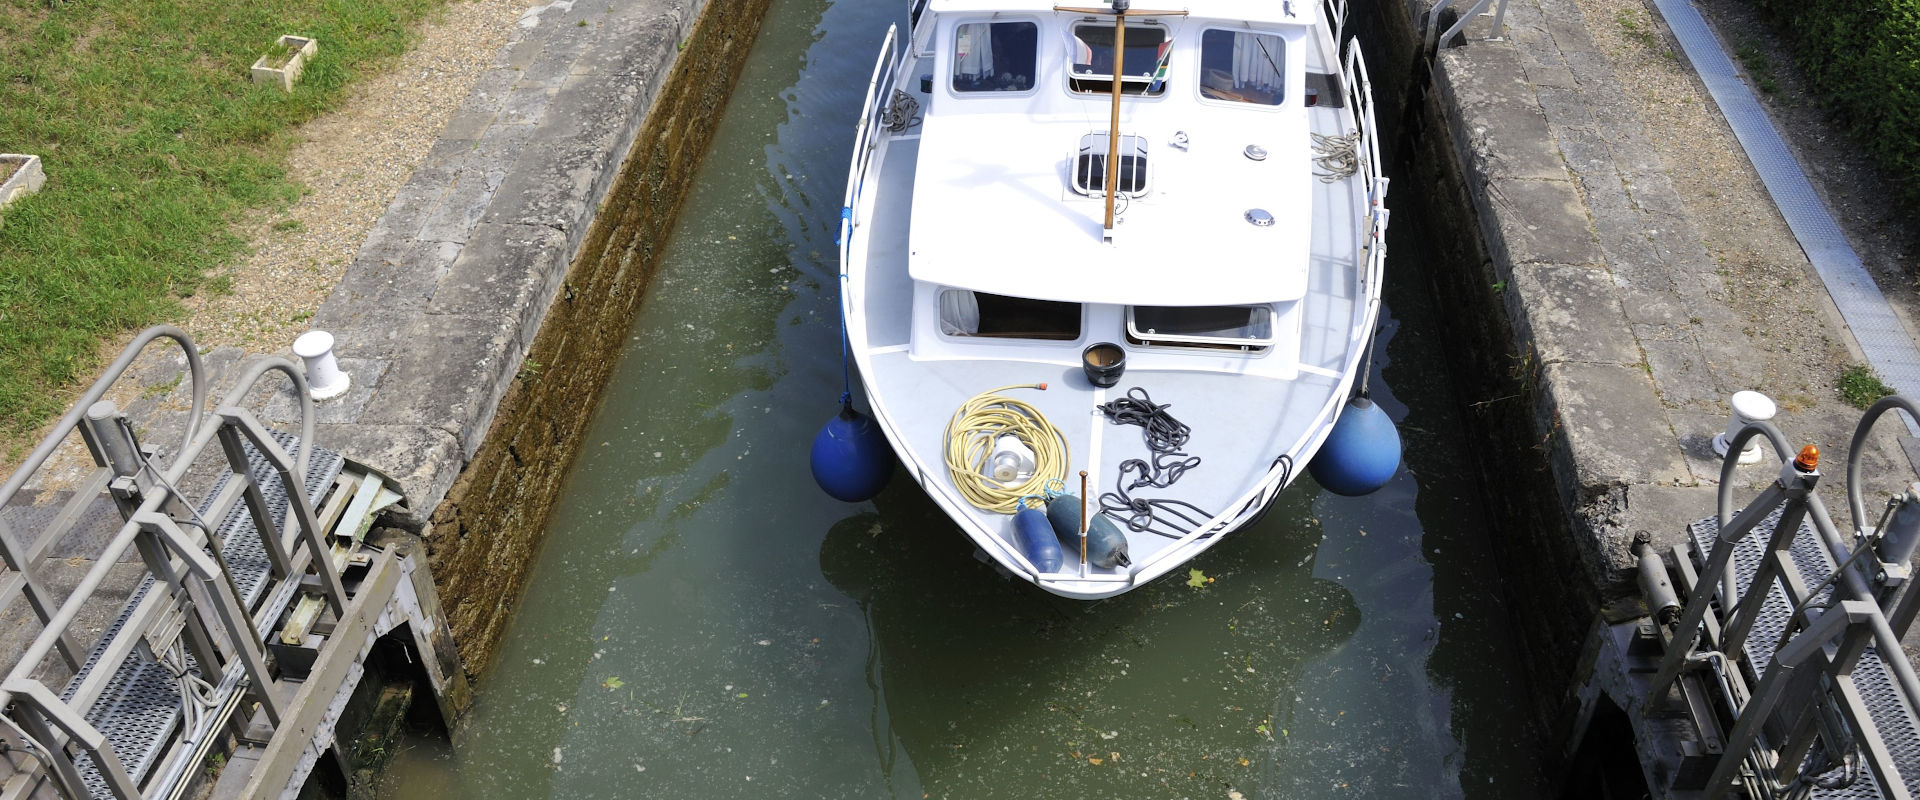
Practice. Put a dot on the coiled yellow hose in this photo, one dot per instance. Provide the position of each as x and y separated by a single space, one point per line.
970 437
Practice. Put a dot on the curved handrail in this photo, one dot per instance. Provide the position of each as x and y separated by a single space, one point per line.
99 389
1855 502
1781 448
258 368
1848 579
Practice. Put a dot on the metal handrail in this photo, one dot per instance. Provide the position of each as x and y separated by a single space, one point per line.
10 550
1359 88
107 379
1336 11
1855 499
1792 495
879 89
176 560
1434 43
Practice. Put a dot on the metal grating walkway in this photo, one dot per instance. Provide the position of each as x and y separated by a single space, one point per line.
1898 729
1887 344
141 707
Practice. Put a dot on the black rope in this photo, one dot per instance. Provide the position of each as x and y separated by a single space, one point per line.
1163 433
1285 464
1164 436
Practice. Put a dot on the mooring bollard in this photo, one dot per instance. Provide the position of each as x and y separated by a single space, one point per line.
325 379
1748 407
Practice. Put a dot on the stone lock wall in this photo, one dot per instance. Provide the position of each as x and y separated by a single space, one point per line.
488 531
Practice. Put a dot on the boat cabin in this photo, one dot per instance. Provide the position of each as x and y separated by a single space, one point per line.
1211 247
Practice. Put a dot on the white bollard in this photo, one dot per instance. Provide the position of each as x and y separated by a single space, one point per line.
1748 407
325 380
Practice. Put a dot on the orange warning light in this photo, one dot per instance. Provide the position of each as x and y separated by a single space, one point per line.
1808 460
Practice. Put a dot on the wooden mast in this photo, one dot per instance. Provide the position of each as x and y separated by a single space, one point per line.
1113 126
1120 12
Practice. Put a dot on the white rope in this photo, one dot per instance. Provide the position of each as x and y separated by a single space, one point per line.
1338 155
902 113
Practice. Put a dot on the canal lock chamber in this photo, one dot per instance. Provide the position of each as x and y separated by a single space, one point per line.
784 155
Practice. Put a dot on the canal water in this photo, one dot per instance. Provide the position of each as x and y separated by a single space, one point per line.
703 622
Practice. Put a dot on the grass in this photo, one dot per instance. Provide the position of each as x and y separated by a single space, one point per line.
279 53
7 168
155 143
1758 67
1860 387
1637 26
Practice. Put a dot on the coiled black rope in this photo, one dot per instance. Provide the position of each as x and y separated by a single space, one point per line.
1163 433
1164 436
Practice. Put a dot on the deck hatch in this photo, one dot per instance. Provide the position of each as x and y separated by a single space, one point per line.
1090 165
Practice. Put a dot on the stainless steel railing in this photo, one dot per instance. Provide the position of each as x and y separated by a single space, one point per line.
1435 39
1831 618
190 606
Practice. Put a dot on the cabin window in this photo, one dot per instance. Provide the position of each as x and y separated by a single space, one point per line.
970 313
1242 67
1143 63
1237 327
995 56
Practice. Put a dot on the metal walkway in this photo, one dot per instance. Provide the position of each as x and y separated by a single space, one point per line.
251 603
142 706
1887 344
1758 672
1898 729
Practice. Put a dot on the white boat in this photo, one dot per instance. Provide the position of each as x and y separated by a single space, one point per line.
1236 259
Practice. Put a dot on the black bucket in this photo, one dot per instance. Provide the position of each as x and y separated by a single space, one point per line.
1103 361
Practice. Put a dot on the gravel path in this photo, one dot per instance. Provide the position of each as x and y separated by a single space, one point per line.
351 162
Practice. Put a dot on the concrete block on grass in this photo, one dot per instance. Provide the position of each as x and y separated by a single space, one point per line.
285 73
24 177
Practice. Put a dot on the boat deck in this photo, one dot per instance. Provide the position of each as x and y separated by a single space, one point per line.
1245 410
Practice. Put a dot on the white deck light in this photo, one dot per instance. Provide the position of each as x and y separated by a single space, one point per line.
1748 407
325 379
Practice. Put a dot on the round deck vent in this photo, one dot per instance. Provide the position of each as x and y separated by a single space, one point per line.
1259 217
1256 152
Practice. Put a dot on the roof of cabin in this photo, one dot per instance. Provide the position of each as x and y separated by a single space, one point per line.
993 209
1300 12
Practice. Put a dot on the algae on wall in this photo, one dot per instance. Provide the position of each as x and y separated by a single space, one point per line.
488 531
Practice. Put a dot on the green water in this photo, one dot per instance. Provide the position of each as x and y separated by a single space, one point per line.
703 622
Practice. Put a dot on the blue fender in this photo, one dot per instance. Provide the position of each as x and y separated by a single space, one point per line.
1361 454
851 459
